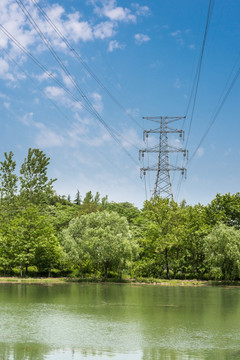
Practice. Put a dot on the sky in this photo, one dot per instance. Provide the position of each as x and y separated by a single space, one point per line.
78 76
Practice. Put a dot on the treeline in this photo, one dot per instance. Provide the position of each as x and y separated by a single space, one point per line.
43 234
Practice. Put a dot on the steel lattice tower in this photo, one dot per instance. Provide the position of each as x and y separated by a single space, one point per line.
163 186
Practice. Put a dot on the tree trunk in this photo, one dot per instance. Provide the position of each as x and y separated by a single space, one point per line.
106 271
166 262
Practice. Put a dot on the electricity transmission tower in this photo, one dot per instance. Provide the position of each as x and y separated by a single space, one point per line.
163 186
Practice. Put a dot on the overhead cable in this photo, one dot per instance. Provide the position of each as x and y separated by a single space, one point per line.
194 91
90 108
83 62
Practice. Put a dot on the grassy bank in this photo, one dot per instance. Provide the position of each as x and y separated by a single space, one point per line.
151 281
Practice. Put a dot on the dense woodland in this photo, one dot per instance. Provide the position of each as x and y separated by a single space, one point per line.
44 234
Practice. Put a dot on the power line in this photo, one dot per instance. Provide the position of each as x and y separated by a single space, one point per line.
83 95
83 62
214 117
194 90
52 76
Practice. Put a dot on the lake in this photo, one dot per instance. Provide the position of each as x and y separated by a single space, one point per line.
118 322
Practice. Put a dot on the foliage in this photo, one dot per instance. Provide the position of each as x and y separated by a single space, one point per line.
196 227
226 209
35 185
222 250
124 209
163 232
101 238
32 240
8 178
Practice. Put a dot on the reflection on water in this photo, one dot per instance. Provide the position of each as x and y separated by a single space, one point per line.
118 322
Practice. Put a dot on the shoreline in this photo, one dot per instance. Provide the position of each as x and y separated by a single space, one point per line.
157 282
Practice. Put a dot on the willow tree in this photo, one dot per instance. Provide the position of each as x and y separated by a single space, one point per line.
102 238
222 251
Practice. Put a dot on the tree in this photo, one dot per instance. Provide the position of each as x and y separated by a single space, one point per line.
32 240
35 185
88 198
103 238
226 209
163 232
124 209
222 251
196 227
8 178
97 198
78 199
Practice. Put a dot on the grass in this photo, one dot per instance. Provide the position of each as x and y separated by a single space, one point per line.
137 281
164 282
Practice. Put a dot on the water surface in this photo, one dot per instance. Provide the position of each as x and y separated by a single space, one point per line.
118 322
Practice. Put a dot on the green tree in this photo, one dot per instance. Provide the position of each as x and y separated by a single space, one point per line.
8 177
32 239
163 233
102 238
124 209
78 199
97 198
35 185
222 251
226 209
88 198
196 227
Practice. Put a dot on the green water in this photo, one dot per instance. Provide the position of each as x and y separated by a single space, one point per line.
118 322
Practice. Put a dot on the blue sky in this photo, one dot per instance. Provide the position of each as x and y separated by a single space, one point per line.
145 53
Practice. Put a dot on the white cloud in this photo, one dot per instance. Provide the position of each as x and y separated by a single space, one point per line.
178 36
97 102
47 137
27 119
141 38
109 9
79 131
130 138
119 14
142 10
4 71
176 33
54 91
44 76
58 94
114 44
134 112
104 30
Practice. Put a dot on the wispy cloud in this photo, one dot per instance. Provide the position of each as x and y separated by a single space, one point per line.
104 30
47 137
141 10
178 36
114 44
97 102
109 9
59 95
4 71
141 38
